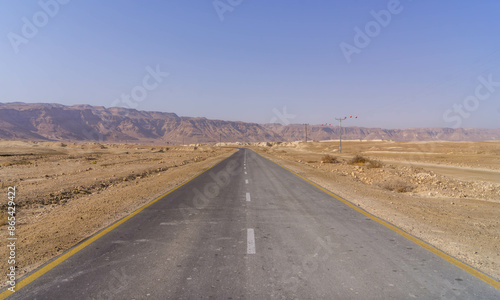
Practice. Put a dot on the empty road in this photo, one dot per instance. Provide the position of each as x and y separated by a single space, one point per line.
250 229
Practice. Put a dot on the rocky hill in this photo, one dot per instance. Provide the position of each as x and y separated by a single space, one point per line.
55 122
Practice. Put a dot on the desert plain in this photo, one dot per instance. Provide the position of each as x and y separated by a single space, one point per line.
444 193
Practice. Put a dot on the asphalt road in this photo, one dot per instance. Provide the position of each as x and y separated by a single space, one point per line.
249 229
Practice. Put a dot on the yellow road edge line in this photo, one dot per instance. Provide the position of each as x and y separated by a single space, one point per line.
89 241
412 238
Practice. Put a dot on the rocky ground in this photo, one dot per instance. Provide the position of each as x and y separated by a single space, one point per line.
67 192
446 193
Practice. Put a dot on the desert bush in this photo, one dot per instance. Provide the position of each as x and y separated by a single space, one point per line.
372 164
363 161
328 159
397 185
358 160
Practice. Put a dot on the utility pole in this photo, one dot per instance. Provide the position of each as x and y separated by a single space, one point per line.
220 139
306 131
340 125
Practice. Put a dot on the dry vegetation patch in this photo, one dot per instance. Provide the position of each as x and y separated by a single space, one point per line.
359 160
328 159
397 185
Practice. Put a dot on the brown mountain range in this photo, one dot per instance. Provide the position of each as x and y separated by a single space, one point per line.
56 122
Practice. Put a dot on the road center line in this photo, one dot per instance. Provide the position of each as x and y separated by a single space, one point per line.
246 181
246 173
248 197
250 241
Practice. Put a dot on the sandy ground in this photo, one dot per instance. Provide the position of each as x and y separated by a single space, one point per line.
445 193
67 192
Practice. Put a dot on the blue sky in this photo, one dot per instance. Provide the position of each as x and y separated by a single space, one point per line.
260 61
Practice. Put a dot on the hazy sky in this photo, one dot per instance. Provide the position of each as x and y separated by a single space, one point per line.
392 63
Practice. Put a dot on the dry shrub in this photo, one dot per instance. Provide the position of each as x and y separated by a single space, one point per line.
397 185
359 160
372 164
328 159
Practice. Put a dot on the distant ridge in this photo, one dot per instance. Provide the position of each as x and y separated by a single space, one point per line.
56 122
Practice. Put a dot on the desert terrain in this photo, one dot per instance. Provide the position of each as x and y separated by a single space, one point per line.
66 192
445 193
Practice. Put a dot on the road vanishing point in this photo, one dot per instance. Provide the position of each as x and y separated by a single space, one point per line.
250 229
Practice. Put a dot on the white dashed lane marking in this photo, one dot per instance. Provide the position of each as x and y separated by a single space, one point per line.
250 241
246 181
248 197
